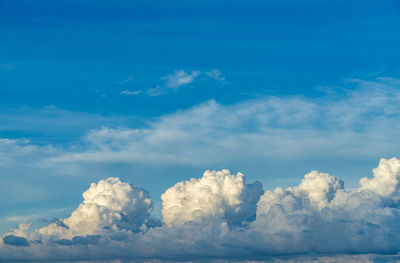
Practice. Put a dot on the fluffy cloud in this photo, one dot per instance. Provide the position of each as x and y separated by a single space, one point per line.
385 181
204 218
216 194
266 136
109 204
320 216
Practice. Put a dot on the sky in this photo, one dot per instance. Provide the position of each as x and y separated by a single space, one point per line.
149 101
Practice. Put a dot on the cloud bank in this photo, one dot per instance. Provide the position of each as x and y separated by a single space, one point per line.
220 216
361 122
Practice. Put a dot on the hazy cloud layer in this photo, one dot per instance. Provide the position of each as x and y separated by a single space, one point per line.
220 216
342 125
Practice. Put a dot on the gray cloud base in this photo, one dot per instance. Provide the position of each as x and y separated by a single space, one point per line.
219 216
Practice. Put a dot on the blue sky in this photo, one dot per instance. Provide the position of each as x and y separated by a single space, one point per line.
157 92
71 53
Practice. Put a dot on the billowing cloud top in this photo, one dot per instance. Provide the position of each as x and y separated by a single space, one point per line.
216 194
220 216
109 204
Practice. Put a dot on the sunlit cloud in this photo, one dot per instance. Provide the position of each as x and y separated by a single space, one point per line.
221 211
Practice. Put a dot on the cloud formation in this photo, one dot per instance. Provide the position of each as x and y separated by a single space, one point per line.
131 92
215 74
220 216
216 194
109 204
357 123
180 78
353 127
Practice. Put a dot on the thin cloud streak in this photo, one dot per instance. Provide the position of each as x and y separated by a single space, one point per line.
289 127
131 92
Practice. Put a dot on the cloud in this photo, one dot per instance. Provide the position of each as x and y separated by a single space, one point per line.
157 91
279 129
109 204
131 92
267 138
80 240
216 194
51 121
125 81
180 78
16 237
333 221
318 216
15 241
215 74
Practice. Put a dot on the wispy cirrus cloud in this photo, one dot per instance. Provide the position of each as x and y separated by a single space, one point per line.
289 127
131 92
125 81
178 79
157 91
216 75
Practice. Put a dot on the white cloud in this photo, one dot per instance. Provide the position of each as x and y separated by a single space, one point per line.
363 220
109 204
131 92
216 194
125 81
385 181
318 216
257 134
360 123
157 91
180 78
215 74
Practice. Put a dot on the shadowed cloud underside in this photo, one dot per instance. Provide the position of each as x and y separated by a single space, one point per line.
221 216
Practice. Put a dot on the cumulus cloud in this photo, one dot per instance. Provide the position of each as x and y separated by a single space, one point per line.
256 135
109 204
353 127
216 194
220 216
16 237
